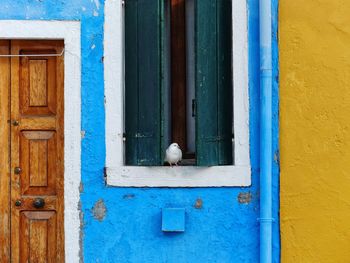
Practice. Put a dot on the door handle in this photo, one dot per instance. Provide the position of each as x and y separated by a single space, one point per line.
39 203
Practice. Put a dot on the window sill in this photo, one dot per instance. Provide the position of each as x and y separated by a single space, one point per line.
180 176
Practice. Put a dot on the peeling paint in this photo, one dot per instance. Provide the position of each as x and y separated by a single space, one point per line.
81 234
97 3
244 198
99 210
276 157
199 203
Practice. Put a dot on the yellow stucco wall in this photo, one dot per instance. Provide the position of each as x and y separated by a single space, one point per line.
314 44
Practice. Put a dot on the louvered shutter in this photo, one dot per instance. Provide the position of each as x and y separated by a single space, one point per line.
213 66
144 74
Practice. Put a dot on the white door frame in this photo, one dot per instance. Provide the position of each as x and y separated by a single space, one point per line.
69 31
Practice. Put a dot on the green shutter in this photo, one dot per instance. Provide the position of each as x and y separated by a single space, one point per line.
143 81
214 92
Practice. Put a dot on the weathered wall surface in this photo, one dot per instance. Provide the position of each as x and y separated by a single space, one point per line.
124 224
315 130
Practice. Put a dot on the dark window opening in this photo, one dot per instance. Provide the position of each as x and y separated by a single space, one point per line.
182 78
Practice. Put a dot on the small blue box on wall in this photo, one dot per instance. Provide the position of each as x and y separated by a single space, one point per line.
173 220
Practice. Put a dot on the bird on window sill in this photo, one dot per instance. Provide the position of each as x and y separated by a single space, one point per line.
173 155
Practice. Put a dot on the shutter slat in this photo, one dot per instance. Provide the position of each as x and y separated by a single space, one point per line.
143 95
213 82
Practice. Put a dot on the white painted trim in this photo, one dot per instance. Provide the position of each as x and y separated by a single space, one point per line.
180 176
120 175
240 82
69 31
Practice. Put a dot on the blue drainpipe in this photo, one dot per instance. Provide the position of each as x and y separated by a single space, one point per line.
265 132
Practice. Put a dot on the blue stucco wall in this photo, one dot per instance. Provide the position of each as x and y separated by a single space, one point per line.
125 225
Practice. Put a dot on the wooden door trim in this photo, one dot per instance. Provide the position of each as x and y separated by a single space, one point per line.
4 158
69 31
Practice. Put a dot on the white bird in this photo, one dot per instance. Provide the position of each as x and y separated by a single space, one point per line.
173 154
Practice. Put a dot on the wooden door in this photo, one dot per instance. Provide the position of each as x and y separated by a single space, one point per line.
36 135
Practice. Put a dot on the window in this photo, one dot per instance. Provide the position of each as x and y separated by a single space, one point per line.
156 87
205 77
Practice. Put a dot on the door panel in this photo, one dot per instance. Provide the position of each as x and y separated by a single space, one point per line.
37 82
38 241
36 123
38 156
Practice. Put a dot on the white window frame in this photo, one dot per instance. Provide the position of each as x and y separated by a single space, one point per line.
69 31
121 175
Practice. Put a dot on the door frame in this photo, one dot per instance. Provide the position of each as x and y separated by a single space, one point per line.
69 31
